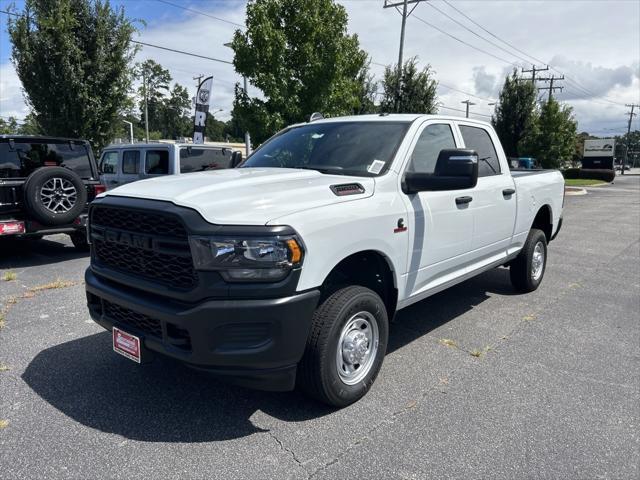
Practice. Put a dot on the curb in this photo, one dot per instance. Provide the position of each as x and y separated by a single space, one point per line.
574 191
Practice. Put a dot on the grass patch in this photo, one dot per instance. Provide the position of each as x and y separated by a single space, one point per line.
9 276
1 320
529 318
3 367
447 342
476 353
582 182
58 283
4 424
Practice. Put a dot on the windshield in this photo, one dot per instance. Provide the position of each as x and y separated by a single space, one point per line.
344 148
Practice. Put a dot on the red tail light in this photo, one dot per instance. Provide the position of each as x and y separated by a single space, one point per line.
99 189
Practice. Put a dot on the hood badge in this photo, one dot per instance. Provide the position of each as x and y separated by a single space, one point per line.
400 228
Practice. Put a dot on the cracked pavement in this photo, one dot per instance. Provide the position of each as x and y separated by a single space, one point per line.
555 392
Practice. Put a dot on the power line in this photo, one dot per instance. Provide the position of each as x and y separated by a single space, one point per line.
576 84
182 52
201 13
440 84
9 13
463 42
476 34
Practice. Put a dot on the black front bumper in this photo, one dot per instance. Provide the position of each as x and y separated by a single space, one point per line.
254 342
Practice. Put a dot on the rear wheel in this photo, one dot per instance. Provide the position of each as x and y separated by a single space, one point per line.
346 346
528 268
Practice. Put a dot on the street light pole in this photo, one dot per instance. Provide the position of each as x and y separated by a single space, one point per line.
146 106
130 130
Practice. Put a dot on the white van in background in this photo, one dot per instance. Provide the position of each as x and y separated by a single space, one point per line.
125 163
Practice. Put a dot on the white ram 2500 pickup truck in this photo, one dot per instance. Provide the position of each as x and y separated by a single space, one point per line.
287 270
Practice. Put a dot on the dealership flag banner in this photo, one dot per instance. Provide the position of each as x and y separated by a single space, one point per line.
202 108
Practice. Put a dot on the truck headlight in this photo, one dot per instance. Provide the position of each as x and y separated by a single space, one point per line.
258 259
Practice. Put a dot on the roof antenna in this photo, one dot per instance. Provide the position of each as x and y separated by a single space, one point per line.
315 116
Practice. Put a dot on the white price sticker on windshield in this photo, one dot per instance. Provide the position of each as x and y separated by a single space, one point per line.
376 167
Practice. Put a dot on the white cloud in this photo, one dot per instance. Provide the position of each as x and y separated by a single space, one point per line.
11 100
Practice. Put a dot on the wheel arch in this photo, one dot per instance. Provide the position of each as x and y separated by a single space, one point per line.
544 221
368 268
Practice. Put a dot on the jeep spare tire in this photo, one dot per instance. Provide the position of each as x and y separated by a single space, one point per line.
54 195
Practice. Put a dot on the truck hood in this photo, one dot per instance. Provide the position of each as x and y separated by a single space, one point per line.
246 196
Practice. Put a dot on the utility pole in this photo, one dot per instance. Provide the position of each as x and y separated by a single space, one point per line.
533 71
551 88
146 106
626 150
469 103
405 15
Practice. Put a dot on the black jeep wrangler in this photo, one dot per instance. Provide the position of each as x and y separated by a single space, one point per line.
45 186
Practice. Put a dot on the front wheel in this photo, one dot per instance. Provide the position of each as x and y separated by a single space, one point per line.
346 346
527 269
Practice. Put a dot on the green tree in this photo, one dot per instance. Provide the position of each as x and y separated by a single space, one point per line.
552 139
72 58
155 83
8 126
175 111
417 89
299 54
515 113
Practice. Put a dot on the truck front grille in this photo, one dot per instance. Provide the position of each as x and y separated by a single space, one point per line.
130 241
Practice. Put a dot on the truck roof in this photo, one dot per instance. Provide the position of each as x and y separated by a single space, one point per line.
394 117
165 144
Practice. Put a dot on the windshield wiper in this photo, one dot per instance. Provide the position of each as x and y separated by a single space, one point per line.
323 169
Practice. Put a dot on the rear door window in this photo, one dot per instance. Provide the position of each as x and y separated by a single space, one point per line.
131 161
194 159
23 156
478 139
109 163
157 162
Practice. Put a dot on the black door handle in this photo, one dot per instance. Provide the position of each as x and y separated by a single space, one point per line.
507 192
463 200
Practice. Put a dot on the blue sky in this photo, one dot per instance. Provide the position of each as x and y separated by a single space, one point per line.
596 43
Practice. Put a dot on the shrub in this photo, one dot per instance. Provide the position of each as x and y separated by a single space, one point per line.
590 174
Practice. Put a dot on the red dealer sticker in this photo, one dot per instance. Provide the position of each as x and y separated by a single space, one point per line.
126 344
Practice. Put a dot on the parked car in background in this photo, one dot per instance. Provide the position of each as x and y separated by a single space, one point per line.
125 163
46 184
287 270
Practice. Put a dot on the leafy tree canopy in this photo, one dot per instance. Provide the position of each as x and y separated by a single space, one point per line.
552 138
417 89
515 113
72 58
299 54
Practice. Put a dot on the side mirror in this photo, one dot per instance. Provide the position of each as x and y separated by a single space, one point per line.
236 159
456 169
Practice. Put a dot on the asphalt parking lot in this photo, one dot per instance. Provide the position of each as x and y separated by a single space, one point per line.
478 382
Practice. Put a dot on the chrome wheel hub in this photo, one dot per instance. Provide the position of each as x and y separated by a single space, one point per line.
58 195
537 261
357 347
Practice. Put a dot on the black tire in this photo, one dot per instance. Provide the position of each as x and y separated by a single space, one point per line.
79 240
521 270
54 214
318 373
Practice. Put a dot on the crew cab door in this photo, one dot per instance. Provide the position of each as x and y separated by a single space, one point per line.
494 197
440 229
